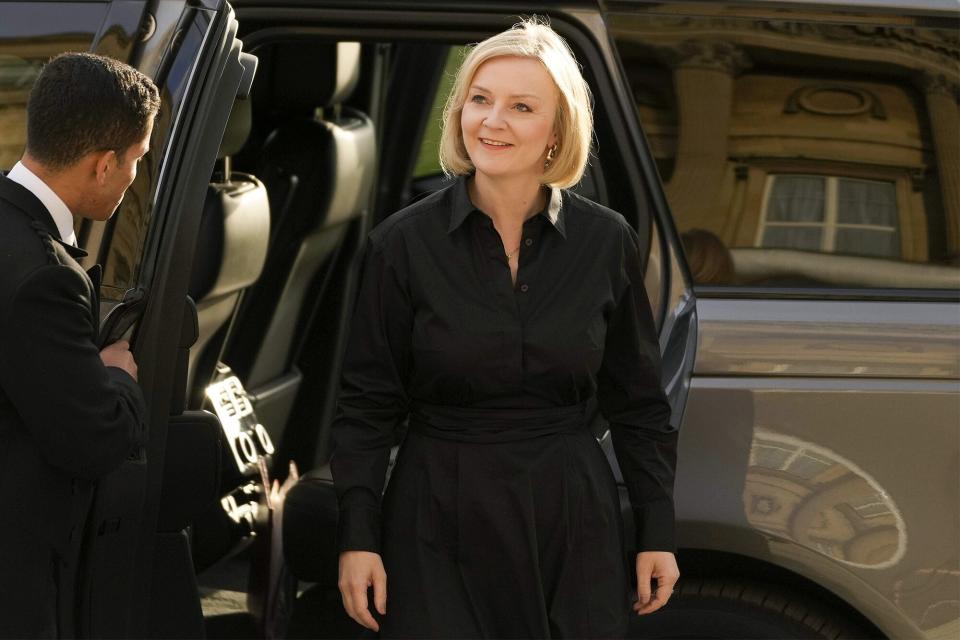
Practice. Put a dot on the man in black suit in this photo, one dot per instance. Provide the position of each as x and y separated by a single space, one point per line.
69 412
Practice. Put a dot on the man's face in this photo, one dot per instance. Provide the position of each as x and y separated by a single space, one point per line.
114 177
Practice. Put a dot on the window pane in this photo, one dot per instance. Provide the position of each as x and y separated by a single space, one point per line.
428 162
762 126
867 202
868 242
30 34
796 199
17 74
807 238
771 457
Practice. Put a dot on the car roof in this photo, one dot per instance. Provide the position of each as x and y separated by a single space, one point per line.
511 6
943 7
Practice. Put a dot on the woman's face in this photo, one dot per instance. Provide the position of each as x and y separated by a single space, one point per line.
508 117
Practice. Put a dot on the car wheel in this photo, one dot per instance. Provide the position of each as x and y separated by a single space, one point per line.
728 609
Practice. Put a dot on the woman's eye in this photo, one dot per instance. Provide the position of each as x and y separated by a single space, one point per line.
479 99
522 107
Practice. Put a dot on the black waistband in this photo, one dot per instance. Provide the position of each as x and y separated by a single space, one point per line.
494 425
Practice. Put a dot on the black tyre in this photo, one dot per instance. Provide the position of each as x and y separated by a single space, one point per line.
728 609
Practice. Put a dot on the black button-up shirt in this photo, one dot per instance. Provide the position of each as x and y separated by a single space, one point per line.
439 320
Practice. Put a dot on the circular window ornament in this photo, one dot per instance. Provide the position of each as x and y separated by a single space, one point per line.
834 100
800 491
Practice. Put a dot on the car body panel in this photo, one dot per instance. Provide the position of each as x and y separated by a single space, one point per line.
831 477
822 429
829 338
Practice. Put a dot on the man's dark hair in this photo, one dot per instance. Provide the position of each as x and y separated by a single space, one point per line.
82 102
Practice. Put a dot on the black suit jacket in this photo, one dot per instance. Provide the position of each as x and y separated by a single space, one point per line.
65 418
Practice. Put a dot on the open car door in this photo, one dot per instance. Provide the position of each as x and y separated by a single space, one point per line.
136 576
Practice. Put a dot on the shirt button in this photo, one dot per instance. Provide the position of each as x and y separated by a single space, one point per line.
524 288
528 241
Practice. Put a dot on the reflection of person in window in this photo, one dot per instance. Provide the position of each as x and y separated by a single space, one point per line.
492 313
709 259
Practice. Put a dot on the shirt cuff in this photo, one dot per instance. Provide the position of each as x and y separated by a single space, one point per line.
655 524
358 529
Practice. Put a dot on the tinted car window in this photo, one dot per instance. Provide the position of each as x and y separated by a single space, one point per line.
134 218
428 162
800 154
30 34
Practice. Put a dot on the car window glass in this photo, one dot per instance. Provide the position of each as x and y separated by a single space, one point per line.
802 154
134 218
30 34
428 162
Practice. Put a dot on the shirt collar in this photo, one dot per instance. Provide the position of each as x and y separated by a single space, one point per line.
461 207
58 209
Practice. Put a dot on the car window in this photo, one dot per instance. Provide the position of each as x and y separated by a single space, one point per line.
30 34
428 161
800 154
134 221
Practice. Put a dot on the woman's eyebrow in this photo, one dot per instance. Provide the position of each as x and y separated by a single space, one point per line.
476 87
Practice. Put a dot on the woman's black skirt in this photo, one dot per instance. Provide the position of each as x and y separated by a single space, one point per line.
503 525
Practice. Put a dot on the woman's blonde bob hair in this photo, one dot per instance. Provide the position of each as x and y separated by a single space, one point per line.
531 38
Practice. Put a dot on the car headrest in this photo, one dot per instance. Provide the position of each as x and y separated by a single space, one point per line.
238 129
310 74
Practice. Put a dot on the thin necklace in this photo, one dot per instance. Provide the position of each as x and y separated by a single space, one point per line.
512 253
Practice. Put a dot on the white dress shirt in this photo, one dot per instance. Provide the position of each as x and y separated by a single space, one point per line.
58 210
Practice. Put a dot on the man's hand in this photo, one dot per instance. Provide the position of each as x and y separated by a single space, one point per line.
661 565
358 571
118 355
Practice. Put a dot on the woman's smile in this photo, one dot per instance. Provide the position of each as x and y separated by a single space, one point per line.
494 145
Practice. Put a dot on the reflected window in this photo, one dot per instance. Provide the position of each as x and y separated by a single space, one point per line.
770 457
800 491
30 34
830 214
17 74
797 152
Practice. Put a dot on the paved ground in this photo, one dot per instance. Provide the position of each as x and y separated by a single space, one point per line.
222 587
317 613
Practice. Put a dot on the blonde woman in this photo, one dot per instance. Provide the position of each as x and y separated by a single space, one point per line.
495 314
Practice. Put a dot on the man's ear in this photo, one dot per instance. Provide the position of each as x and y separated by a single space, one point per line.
105 163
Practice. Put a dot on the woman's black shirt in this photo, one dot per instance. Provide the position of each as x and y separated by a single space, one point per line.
438 320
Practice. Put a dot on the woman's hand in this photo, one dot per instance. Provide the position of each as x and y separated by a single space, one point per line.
661 565
360 570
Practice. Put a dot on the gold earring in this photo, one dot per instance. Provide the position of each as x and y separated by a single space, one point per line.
551 154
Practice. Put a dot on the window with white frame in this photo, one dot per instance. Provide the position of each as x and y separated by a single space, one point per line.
830 214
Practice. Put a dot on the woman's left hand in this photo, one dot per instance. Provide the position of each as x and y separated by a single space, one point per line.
661 565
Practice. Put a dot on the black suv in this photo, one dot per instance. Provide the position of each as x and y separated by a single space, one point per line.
792 168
